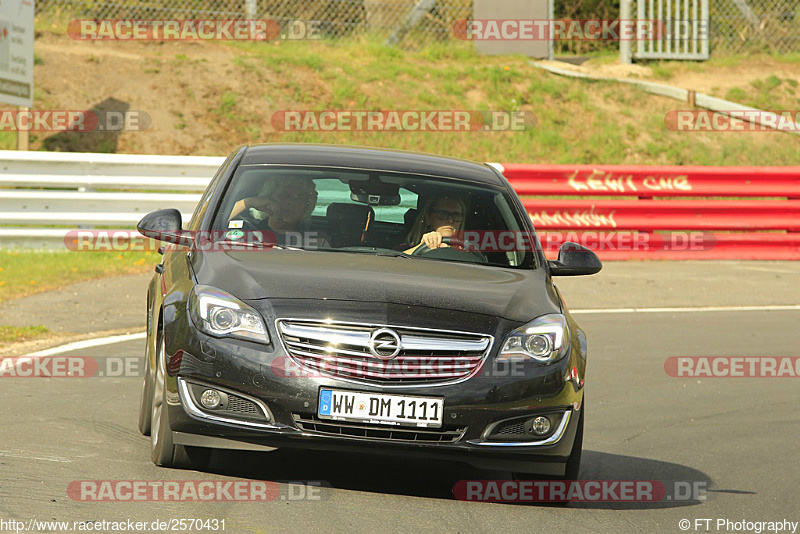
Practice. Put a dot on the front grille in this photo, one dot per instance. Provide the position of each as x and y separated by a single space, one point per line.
512 428
343 350
242 406
312 423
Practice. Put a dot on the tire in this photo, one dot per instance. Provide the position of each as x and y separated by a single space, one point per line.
146 404
163 452
573 468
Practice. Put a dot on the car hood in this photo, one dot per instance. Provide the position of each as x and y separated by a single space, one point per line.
514 294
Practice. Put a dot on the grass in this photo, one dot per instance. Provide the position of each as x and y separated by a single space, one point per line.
790 57
8 140
14 334
24 273
181 124
770 93
662 70
575 124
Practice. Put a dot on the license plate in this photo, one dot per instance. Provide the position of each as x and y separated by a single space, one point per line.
380 408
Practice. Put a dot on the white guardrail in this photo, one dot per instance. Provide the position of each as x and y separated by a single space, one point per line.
44 195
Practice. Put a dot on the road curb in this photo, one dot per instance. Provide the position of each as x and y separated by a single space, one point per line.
23 348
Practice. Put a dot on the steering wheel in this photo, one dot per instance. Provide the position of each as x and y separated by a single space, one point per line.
253 229
453 252
423 248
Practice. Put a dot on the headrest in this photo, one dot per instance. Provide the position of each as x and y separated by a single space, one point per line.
350 213
409 217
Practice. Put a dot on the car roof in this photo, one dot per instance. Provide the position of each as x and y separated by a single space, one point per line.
361 157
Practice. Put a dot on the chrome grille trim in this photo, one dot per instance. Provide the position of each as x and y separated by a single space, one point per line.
192 409
309 423
382 365
361 338
341 350
554 438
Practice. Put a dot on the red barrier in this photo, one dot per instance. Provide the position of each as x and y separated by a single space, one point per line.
656 180
678 245
653 215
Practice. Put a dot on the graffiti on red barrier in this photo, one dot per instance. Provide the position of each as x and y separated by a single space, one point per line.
605 181
563 219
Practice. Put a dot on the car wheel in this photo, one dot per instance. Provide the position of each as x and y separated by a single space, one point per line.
574 462
163 452
146 404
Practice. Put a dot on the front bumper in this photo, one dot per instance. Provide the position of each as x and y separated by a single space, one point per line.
472 408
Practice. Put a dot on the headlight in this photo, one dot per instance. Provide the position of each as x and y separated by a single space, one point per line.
545 340
220 314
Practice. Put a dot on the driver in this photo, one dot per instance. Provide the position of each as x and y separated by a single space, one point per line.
442 216
283 207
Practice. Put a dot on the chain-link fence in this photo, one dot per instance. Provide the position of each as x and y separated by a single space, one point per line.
432 19
735 25
754 25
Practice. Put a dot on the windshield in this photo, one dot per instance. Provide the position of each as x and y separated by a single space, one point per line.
373 212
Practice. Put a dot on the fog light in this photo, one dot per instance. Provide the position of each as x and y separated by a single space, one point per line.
540 426
210 399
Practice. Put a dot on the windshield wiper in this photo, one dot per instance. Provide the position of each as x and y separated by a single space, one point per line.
249 244
393 254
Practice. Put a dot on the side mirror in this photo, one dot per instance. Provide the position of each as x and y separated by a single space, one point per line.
574 259
165 225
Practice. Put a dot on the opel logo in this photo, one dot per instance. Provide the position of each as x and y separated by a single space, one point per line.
384 343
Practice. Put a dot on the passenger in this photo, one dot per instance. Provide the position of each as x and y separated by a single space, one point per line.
283 207
442 216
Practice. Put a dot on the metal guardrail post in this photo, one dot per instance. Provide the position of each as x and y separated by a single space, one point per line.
625 44
22 134
551 29
420 9
250 9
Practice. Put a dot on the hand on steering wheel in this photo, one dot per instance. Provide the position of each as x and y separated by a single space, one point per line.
265 205
451 241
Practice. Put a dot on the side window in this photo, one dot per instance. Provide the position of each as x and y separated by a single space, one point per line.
202 206
329 192
516 256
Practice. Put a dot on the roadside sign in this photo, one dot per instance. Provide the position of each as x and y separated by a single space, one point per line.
16 52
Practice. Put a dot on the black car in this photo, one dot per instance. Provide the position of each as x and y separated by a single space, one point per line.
336 331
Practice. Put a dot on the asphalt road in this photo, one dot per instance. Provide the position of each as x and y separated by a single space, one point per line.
738 436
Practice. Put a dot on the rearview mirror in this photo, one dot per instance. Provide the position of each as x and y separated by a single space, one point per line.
374 192
165 225
574 259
